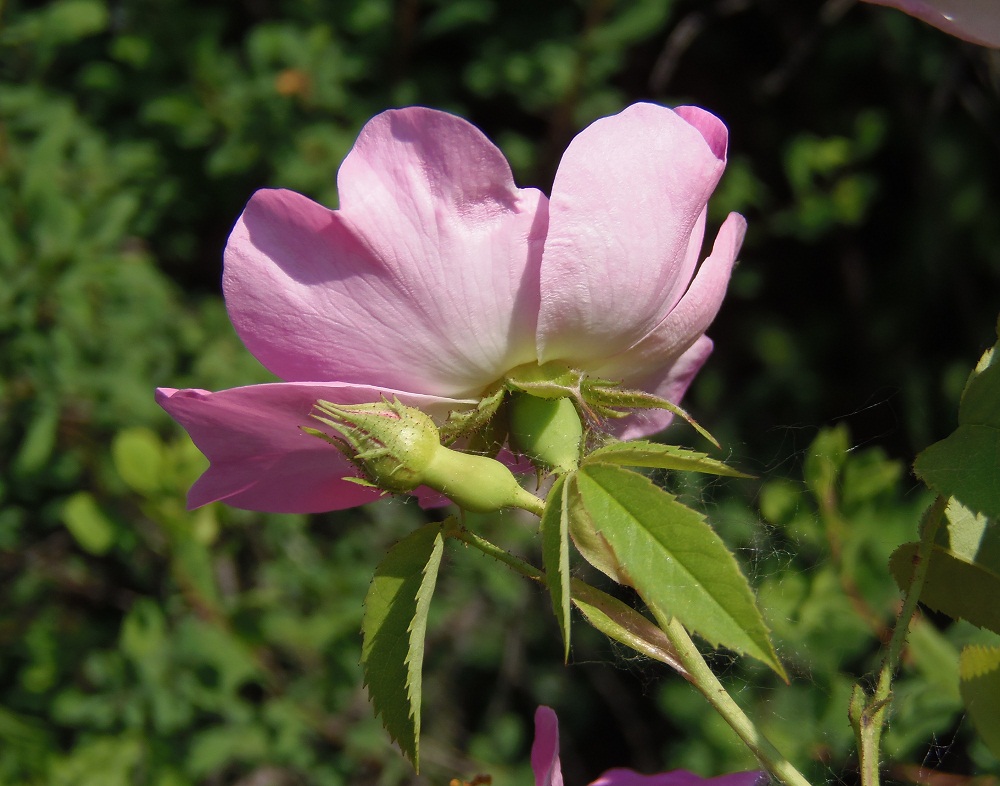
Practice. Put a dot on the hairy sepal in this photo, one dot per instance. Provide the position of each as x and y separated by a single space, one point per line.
642 453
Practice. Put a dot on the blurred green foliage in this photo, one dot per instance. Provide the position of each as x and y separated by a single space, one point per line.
141 643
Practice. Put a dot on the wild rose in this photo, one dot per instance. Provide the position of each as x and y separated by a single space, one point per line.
438 277
548 769
977 21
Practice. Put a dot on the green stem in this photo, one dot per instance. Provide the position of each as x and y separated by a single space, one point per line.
517 564
868 714
712 689
698 671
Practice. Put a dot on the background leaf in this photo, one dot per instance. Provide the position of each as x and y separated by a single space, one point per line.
674 560
394 625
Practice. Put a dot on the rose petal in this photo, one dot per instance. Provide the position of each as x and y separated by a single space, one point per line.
260 457
624 777
688 320
425 279
545 748
977 21
626 200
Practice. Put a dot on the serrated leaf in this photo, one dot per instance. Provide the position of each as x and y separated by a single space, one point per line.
971 536
966 464
642 453
393 626
954 586
625 625
979 672
675 561
555 555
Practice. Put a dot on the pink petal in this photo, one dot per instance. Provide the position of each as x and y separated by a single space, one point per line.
625 207
977 21
260 457
425 279
623 777
545 749
688 320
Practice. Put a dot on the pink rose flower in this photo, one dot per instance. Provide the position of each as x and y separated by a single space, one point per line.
438 276
548 771
977 21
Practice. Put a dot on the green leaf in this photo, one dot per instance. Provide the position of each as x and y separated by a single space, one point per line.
641 453
88 524
138 457
971 536
673 559
966 464
555 555
625 625
963 584
394 624
824 459
979 672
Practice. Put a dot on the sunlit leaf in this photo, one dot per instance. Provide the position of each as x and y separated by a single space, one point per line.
674 559
959 584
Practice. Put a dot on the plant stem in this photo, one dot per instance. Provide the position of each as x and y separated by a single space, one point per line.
705 680
517 564
698 671
868 714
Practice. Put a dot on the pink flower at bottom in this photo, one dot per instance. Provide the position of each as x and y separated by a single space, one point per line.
437 278
548 771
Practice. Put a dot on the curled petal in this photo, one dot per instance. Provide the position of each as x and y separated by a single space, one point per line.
624 218
545 749
977 21
260 459
425 279
688 320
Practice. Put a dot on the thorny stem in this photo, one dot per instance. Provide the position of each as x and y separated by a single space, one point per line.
868 714
699 672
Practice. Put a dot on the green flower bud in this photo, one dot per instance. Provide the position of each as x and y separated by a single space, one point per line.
390 443
399 448
547 430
